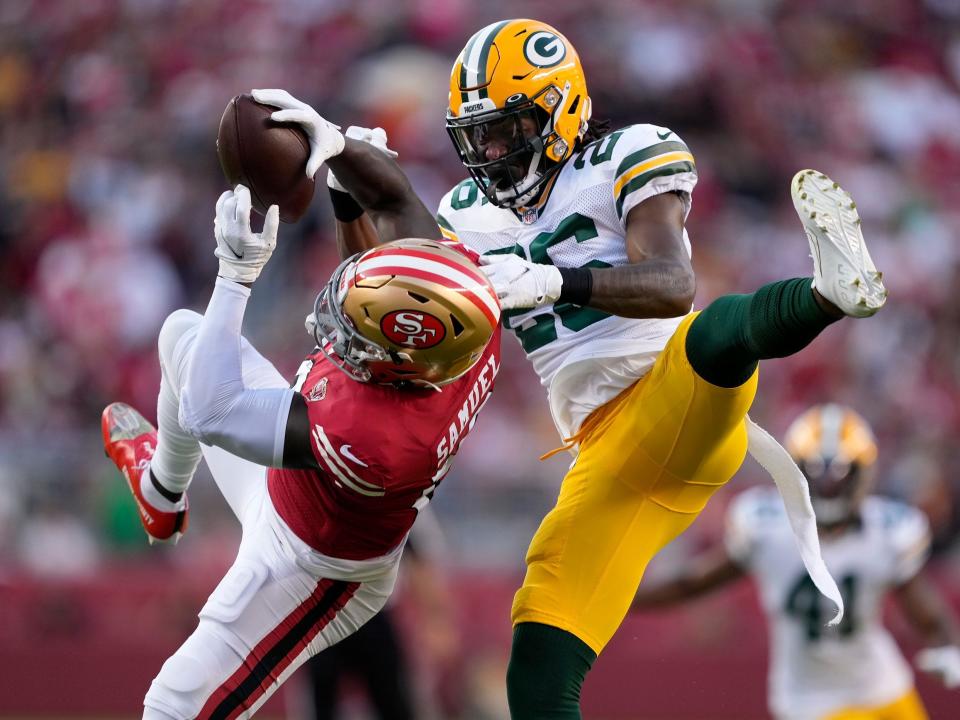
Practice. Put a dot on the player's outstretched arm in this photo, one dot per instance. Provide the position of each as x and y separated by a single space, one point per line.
704 574
216 405
373 178
658 283
355 230
933 621
379 186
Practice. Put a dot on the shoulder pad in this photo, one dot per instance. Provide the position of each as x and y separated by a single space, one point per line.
905 530
463 195
647 160
752 514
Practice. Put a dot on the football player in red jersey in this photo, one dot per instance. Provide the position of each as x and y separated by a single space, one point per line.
327 476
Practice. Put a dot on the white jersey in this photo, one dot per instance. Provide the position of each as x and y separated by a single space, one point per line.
585 357
816 669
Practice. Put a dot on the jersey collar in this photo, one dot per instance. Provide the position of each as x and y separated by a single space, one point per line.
530 214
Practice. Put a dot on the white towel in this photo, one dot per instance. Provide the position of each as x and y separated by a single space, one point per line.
795 492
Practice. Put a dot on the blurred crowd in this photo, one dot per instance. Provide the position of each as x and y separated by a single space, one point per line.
108 178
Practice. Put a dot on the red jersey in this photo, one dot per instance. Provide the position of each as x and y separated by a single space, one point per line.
382 452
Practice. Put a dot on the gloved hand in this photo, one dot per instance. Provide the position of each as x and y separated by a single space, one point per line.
242 252
376 137
944 662
326 140
520 283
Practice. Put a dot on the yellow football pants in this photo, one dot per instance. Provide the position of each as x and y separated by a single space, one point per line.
649 460
908 707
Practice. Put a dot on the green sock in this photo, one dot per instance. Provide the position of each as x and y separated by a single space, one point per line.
734 332
546 671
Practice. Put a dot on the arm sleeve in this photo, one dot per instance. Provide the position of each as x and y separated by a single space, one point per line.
650 160
216 407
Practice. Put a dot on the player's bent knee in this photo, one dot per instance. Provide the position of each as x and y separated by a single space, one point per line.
178 323
186 679
150 713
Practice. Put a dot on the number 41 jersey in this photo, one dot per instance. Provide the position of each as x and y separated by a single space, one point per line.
584 357
815 669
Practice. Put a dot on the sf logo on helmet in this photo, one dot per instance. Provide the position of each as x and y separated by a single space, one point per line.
544 49
414 329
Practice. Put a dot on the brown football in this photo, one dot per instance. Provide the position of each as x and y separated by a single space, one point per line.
269 158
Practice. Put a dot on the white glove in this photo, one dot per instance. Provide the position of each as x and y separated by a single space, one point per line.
326 140
519 283
944 662
376 137
242 252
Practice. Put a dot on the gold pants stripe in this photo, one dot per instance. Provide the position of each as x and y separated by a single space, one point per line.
649 460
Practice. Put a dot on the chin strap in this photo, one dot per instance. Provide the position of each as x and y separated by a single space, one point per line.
795 492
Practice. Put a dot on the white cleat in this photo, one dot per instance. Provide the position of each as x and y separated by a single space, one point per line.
842 269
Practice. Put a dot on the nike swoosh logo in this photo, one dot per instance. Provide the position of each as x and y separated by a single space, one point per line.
345 451
664 136
221 238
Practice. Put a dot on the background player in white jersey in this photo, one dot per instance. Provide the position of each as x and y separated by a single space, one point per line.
873 545
326 477
583 237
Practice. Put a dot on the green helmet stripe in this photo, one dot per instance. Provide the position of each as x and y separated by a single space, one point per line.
485 54
463 65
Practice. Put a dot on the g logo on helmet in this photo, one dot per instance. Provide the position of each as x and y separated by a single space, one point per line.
544 49
413 329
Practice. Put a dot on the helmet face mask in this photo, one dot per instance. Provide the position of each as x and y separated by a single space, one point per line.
836 489
835 449
518 82
522 132
335 334
410 311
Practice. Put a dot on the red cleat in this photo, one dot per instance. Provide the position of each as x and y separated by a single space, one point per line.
129 440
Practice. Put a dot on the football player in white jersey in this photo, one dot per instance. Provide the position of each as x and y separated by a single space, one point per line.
872 545
582 236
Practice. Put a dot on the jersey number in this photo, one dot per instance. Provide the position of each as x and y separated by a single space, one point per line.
804 602
539 329
599 151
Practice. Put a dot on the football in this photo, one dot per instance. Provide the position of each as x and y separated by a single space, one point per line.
268 157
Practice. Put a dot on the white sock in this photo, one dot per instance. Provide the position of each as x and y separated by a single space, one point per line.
153 496
178 453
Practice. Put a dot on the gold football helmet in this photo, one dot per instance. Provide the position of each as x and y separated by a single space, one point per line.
406 311
836 450
517 86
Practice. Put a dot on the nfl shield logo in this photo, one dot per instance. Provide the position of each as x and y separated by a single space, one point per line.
318 392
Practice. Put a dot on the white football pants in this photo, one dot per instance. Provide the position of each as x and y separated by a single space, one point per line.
280 602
